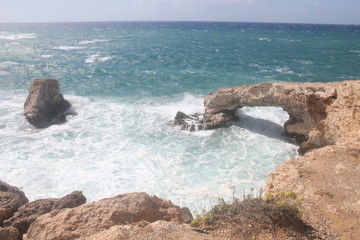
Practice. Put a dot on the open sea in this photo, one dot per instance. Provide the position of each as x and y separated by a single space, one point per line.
127 80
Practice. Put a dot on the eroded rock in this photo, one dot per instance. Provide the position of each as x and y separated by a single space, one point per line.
11 198
319 113
9 233
45 105
89 219
28 213
327 180
191 122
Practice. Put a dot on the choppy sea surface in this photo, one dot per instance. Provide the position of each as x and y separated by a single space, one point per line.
126 80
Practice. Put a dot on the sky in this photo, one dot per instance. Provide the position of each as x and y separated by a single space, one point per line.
288 11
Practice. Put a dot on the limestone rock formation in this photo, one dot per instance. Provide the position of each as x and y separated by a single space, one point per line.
11 198
328 181
28 213
319 113
45 105
156 230
85 221
9 233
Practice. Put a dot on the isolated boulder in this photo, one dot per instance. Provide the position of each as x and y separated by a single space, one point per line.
45 105
28 213
11 198
91 219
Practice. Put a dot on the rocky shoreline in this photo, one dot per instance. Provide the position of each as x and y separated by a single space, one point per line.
324 118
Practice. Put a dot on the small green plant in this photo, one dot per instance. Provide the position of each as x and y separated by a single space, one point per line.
203 219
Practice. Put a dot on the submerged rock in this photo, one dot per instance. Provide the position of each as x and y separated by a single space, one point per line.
95 219
11 198
45 105
28 213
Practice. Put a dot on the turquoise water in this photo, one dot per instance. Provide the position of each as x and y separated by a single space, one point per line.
127 80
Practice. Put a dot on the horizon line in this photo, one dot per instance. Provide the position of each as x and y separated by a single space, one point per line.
177 21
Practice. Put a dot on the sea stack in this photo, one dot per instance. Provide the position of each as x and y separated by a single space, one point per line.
45 105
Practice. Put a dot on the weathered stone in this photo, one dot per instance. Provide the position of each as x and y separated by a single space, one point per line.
319 113
186 215
191 122
45 105
28 213
84 221
9 233
152 231
327 179
11 198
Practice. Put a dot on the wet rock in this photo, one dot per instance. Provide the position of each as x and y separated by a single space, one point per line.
45 105
89 219
28 213
190 123
11 198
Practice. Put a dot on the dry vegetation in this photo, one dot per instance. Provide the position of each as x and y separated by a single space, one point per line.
255 216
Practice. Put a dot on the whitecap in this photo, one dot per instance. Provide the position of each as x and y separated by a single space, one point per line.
9 36
8 64
95 58
104 59
284 70
68 48
265 39
93 41
149 72
91 59
46 56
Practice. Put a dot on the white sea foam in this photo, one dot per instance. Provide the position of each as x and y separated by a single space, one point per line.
11 36
93 41
91 58
8 64
113 146
68 48
283 70
46 56
95 58
265 39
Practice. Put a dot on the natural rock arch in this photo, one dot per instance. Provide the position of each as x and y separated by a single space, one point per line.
319 113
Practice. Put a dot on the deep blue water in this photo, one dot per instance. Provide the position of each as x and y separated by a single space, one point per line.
128 79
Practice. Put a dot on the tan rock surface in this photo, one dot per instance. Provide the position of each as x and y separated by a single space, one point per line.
328 180
89 219
11 198
320 114
325 120
45 104
28 213
9 233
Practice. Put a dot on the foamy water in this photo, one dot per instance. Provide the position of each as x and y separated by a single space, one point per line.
128 80
113 146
